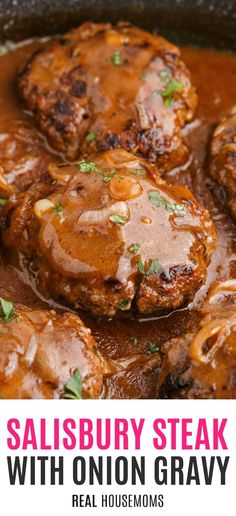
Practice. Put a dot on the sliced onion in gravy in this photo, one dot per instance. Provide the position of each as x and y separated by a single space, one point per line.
102 214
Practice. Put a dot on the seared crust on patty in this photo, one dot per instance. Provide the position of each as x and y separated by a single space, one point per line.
203 364
104 235
102 87
41 350
223 160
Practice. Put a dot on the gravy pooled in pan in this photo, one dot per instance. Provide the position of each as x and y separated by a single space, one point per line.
126 240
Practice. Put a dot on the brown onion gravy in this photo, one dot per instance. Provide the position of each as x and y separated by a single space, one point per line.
127 338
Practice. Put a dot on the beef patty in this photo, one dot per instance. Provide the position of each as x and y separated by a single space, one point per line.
47 355
101 87
105 234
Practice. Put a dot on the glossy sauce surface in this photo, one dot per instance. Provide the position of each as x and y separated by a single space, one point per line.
76 85
127 338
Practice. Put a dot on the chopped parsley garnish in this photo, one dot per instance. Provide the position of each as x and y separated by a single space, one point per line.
134 248
171 87
124 304
141 267
107 176
180 212
55 182
116 58
7 313
86 166
91 136
90 166
118 219
165 74
152 348
144 75
138 172
158 201
58 208
153 269
73 388
3 202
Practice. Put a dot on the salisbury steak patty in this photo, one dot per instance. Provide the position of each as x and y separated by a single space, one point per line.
203 365
41 352
23 157
99 88
223 160
103 234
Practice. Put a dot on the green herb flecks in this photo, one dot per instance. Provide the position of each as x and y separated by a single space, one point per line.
58 208
91 136
73 388
118 219
124 304
86 166
107 176
141 267
179 210
7 312
152 348
138 172
165 74
134 248
158 201
171 87
116 58
3 202
90 166
154 268
144 76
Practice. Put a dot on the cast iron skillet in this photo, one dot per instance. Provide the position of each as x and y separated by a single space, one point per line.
200 22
